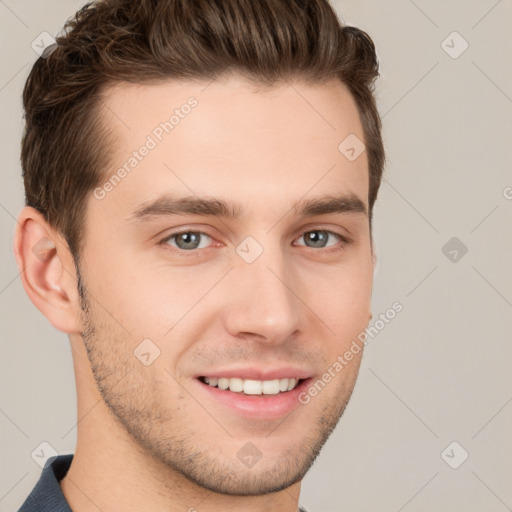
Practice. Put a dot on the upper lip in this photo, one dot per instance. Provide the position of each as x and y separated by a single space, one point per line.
254 373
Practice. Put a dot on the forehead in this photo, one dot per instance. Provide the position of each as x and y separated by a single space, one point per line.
227 138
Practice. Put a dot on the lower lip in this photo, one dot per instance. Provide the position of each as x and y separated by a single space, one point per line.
257 406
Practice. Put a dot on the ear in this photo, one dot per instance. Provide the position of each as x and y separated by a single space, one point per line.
47 271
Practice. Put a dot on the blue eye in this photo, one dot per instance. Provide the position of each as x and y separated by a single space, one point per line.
319 237
187 240
190 241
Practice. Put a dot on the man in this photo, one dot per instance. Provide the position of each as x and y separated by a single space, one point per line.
200 177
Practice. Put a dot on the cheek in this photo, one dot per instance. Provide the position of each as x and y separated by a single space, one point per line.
342 298
149 300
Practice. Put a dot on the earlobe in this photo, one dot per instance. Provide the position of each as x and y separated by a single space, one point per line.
47 270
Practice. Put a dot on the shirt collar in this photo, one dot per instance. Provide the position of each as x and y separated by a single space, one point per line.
47 495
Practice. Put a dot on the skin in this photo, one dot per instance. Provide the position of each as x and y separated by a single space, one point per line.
147 439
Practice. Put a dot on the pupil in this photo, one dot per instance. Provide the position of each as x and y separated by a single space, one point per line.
317 236
188 239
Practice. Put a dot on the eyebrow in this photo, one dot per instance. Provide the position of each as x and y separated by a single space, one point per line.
168 205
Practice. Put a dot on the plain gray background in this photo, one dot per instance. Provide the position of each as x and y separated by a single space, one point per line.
440 372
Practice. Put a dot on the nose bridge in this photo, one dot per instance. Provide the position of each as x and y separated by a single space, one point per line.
263 303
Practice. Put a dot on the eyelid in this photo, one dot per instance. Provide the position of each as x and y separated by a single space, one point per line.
173 234
344 240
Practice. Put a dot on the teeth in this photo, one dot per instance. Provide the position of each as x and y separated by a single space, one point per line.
283 384
223 383
270 387
236 384
291 384
253 387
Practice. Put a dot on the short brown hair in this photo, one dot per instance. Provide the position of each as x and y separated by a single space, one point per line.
65 148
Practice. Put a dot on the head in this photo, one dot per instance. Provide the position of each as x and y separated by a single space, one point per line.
185 167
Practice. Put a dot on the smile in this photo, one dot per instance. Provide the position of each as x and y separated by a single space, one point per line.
252 387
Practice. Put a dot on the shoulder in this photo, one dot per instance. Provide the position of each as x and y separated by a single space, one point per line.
47 495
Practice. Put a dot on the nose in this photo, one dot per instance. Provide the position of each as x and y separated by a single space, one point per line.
263 305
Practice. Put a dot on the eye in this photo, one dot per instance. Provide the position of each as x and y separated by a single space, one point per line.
190 241
187 240
318 238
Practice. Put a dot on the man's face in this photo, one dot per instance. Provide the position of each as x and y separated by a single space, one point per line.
266 295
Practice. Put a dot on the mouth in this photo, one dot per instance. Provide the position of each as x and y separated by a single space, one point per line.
253 387
254 393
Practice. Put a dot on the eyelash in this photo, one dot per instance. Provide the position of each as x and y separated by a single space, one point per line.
344 241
